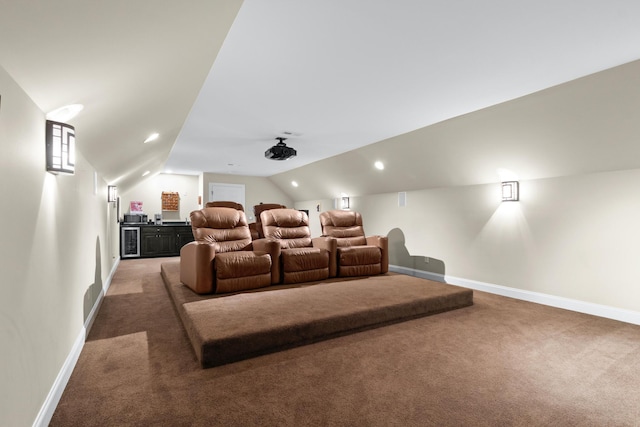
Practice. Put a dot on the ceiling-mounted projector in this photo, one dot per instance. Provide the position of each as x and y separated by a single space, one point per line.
280 151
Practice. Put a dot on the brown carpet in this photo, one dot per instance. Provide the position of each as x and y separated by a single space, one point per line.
231 327
500 362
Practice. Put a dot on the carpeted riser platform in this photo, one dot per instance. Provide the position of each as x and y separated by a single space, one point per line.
228 328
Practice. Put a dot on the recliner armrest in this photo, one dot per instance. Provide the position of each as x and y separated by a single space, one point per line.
196 266
379 241
383 243
331 245
272 247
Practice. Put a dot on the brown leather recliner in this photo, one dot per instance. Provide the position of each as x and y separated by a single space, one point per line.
302 258
256 227
234 205
223 258
225 204
357 255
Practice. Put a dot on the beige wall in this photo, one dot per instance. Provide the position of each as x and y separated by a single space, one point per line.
56 254
149 192
575 232
573 237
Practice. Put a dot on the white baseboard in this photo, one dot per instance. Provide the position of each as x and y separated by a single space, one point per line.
53 398
599 310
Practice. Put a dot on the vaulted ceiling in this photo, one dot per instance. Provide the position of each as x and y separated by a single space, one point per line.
220 79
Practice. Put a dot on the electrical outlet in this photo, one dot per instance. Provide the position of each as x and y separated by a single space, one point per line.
426 260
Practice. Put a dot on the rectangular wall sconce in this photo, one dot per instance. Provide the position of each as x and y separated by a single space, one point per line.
345 203
61 148
112 193
510 191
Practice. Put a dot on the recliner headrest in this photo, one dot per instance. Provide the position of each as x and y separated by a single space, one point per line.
340 218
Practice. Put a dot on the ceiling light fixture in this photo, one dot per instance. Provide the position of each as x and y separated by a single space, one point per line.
379 165
294 183
280 151
152 137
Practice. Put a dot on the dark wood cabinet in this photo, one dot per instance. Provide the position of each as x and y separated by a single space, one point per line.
157 241
163 240
184 235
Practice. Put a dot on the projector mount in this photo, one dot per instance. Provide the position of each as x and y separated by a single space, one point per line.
280 151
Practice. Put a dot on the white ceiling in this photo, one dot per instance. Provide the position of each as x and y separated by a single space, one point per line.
136 66
338 74
344 74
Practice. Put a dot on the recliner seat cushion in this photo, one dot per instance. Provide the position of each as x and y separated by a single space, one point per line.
299 259
359 260
237 284
241 264
359 255
304 264
242 270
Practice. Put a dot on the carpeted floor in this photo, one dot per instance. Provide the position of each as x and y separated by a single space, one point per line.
500 362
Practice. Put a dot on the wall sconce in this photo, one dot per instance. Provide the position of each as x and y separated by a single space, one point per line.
345 203
510 191
61 148
112 193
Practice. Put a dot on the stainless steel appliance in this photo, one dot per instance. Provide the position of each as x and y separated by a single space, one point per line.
135 219
129 242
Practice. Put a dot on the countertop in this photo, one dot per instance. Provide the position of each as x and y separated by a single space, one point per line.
164 224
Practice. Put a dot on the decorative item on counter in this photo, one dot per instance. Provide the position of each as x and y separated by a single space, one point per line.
170 201
135 208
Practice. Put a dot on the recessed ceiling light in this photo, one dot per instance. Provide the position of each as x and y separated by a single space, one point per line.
65 113
295 184
379 165
152 137
146 173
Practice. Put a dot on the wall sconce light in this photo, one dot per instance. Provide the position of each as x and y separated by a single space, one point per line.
510 191
345 203
112 193
61 148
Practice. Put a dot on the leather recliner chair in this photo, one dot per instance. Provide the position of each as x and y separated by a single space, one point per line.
223 258
225 204
302 259
234 205
357 255
256 227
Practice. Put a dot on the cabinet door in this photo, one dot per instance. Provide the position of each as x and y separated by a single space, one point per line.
184 235
157 241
